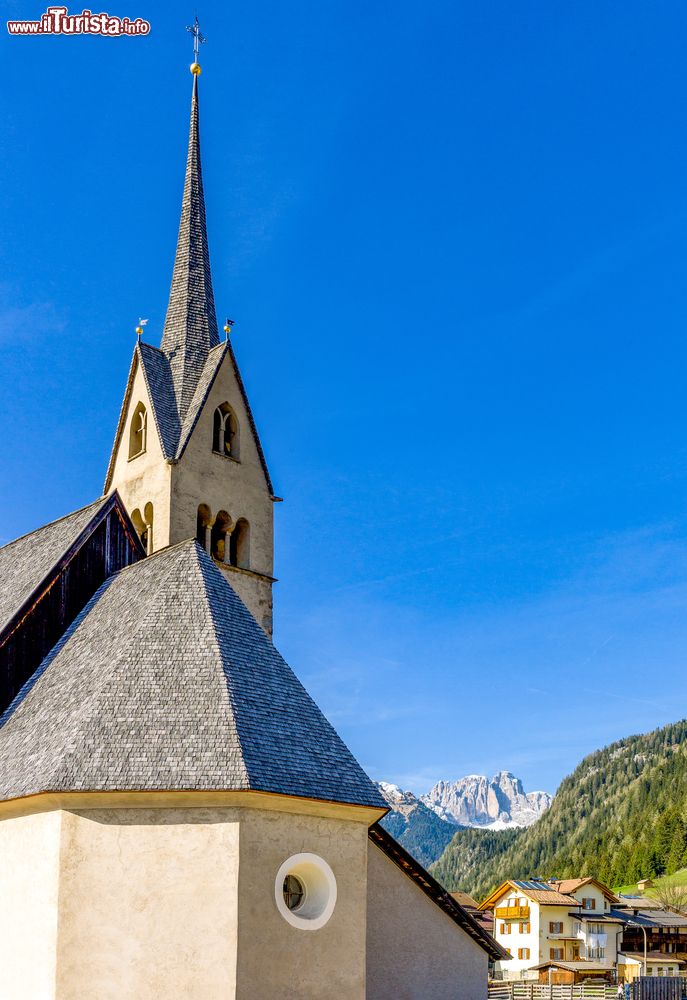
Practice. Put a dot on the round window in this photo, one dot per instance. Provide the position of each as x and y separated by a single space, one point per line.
305 891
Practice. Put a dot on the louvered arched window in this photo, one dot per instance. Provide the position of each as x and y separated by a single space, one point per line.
225 432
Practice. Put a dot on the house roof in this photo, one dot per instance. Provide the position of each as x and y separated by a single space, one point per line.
568 886
651 956
166 682
637 902
652 918
596 918
436 892
543 895
464 900
26 562
581 966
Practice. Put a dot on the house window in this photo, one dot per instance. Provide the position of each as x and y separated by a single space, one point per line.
225 432
239 545
525 928
508 952
555 927
137 431
523 952
503 928
588 903
556 954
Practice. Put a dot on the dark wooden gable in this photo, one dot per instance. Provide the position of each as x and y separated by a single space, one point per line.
108 544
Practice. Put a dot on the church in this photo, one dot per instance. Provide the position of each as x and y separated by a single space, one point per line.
178 819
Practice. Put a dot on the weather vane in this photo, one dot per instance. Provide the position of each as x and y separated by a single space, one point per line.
198 40
139 328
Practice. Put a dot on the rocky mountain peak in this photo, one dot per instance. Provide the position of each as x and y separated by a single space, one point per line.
495 803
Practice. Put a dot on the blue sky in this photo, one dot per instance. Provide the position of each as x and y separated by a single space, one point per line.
453 238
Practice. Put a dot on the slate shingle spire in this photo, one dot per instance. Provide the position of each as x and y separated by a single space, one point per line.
191 324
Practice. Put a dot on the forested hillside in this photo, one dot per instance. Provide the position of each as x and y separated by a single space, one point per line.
620 816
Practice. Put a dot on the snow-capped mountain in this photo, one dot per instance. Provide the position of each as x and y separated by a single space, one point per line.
491 803
416 827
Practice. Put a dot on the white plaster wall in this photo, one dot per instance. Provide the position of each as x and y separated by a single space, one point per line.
515 939
276 960
414 950
29 867
146 478
591 892
148 904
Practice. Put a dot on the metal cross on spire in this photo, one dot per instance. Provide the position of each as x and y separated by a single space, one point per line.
198 37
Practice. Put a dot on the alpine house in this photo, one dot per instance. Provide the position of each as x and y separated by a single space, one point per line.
177 817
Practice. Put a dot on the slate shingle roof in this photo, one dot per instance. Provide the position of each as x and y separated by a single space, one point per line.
191 325
166 682
158 379
26 562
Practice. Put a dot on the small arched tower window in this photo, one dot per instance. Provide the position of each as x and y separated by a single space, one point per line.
137 431
225 432
143 523
219 535
203 522
239 545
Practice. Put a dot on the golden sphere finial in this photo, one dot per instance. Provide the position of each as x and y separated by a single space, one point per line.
195 69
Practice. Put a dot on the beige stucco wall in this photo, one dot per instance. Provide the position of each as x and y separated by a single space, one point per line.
177 903
414 950
148 904
237 487
146 478
29 866
277 960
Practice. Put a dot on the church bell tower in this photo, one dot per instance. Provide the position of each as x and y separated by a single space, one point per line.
187 460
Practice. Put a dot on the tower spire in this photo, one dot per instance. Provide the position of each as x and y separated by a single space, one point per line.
191 324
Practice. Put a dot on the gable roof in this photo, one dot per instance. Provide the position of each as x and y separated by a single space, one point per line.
436 892
570 885
166 682
26 562
174 435
548 897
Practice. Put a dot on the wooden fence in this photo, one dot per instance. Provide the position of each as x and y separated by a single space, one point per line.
643 988
505 990
657 988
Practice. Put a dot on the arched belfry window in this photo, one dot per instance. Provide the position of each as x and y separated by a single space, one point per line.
143 523
219 535
137 431
203 524
225 432
239 545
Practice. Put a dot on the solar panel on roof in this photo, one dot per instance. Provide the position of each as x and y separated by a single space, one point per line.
532 884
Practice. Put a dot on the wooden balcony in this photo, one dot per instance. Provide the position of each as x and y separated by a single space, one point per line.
512 913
